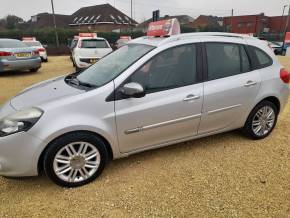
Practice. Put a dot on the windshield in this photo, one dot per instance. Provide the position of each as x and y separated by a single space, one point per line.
33 43
113 64
94 43
12 44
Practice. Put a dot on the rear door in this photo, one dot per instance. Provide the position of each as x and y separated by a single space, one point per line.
171 109
230 88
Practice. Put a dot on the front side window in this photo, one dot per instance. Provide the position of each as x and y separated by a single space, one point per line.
173 68
226 59
113 64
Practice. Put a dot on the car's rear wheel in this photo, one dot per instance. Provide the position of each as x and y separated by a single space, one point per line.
75 159
261 121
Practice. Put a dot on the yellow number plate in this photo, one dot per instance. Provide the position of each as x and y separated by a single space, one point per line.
23 55
93 61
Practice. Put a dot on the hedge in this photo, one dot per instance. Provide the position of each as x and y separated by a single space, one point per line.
47 36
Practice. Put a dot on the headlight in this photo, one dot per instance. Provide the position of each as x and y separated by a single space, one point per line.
19 121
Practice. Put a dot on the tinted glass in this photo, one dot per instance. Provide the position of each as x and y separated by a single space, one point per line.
31 44
225 59
175 67
93 43
114 64
12 44
246 67
263 59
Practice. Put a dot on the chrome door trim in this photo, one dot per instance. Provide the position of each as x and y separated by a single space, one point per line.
157 125
224 109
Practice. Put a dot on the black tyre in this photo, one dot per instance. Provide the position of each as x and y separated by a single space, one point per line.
261 121
75 159
45 60
34 70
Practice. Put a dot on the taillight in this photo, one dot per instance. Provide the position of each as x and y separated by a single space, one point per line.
5 54
284 75
36 52
41 49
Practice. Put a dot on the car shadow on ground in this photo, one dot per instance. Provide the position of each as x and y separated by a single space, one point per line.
17 73
116 166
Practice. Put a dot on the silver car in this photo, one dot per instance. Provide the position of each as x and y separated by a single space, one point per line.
15 55
148 94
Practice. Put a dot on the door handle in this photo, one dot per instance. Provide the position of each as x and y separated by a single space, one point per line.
191 98
250 83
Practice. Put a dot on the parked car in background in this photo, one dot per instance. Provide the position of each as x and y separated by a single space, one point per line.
32 42
89 50
71 47
124 40
16 55
277 47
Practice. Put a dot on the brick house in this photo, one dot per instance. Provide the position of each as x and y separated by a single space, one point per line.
102 18
44 20
206 22
255 24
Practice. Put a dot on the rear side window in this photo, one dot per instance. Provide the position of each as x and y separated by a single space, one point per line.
94 43
226 59
263 59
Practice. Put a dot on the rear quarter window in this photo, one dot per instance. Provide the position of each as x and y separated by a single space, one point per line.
261 58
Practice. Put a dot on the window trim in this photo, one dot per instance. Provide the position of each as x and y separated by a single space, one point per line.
205 59
116 95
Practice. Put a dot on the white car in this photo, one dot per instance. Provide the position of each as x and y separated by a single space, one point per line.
37 45
89 50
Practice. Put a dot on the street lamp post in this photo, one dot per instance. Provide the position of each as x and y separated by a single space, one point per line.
54 22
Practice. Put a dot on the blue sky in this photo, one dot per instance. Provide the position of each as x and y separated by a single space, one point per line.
143 9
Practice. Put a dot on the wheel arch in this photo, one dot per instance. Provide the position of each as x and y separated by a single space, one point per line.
40 166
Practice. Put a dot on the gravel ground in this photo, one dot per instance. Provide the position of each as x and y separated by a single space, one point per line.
225 175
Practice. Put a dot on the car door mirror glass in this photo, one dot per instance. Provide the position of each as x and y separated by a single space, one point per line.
133 89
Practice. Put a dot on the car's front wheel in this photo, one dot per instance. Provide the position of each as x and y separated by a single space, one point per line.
261 121
75 159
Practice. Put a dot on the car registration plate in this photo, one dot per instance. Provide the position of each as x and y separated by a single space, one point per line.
23 55
93 61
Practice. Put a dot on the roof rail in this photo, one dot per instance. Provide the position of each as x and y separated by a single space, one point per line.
199 34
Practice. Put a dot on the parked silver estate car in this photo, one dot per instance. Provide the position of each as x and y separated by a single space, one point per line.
15 55
148 94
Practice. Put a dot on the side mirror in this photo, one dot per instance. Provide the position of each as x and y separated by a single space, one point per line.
133 89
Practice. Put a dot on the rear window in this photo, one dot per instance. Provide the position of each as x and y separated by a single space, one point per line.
94 43
33 43
12 44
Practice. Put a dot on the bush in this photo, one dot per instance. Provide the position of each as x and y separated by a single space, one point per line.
47 35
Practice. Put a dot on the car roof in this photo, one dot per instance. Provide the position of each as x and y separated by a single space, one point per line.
159 41
86 38
4 39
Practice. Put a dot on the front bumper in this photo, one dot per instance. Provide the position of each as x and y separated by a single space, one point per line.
19 154
27 64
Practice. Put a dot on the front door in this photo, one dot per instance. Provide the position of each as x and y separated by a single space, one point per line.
171 109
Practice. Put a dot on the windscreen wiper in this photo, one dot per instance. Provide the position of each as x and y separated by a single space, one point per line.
72 79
